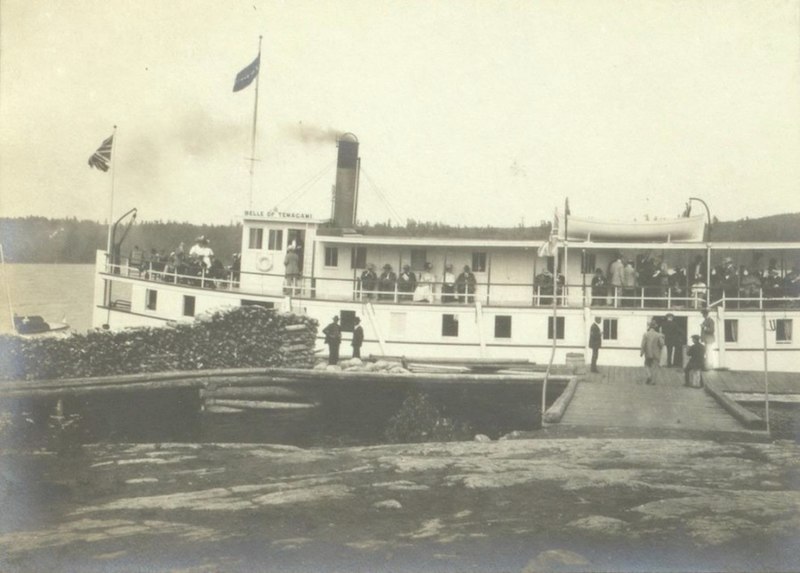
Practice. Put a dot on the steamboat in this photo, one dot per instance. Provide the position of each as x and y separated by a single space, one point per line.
484 298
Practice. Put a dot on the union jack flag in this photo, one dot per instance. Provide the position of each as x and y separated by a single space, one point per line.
101 157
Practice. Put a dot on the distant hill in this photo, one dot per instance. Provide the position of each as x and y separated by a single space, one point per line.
773 228
42 240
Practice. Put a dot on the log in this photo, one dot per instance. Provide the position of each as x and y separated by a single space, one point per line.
295 348
89 389
251 392
263 405
222 410
295 327
555 412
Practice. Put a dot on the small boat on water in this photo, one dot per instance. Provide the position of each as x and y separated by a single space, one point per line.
32 325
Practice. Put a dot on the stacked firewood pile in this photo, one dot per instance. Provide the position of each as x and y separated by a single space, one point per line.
240 337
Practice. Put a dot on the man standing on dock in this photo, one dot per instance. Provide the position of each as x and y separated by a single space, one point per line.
707 335
595 341
358 338
333 338
652 344
674 338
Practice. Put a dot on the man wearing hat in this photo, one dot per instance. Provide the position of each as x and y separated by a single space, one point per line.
595 341
673 338
358 337
291 263
333 338
369 282
652 344
386 282
406 282
694 367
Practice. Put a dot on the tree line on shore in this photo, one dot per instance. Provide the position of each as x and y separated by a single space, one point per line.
72 240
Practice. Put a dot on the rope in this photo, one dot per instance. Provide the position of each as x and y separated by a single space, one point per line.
313 179
392 210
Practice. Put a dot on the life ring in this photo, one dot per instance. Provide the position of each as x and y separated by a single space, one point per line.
264 263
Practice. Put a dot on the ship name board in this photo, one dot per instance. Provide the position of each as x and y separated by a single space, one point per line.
281 214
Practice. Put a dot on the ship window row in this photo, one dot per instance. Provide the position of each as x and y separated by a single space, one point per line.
255 239
419 257
782 328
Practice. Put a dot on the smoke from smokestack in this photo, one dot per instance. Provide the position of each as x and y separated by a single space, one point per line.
313 134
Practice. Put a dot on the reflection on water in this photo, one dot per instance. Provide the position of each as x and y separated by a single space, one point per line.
54 292
345 416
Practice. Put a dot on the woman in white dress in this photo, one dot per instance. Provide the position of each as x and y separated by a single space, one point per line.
424 290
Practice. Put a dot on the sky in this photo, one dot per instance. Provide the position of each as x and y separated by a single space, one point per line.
468 112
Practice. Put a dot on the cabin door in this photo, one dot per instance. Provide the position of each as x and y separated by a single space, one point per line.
297 238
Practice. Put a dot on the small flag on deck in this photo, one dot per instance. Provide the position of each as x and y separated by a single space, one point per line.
247 75
101 157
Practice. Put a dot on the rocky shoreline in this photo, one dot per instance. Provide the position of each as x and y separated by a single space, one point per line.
561 503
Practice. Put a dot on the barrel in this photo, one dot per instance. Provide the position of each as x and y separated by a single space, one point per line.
576 363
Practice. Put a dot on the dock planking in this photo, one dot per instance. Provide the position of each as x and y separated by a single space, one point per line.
618 397
753 381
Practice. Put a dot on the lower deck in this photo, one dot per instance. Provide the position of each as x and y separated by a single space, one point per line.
468 330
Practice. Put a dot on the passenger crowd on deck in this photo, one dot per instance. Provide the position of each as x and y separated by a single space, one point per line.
198 264
408 286
627 283
645 280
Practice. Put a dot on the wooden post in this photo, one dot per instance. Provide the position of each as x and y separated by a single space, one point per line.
765 325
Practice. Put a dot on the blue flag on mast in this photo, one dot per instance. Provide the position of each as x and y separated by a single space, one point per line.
247 75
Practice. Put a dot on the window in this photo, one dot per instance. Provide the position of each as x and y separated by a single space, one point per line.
478 262
188 305
347 320
331 257
275 242
731 330
256 239
502 326
609 329
551 262
397 323
783 330
358 258
589 263
151 299
449 325
559 327
263 303
418 259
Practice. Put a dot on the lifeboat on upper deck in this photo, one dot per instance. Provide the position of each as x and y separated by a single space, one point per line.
685 229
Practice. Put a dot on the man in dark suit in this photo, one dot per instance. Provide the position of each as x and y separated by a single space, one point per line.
333 338
358 338
595 341
674 339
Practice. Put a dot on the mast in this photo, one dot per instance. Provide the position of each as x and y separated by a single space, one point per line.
554 241
111 200
255 123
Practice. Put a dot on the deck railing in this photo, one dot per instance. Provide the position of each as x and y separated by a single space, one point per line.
487 293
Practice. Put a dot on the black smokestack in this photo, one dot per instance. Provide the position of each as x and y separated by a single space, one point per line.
346 194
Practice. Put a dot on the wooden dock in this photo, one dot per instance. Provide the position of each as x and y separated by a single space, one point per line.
617 397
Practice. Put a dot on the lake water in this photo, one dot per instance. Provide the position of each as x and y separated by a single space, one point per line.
58 293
